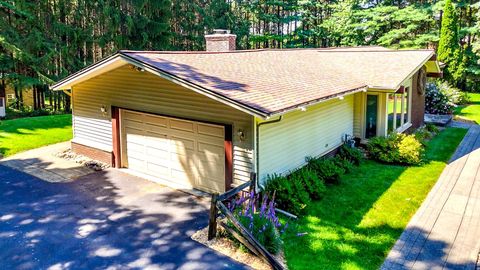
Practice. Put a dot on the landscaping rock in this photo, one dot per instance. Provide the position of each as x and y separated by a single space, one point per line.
85 161
438 119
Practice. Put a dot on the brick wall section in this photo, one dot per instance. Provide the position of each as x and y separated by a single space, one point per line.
220 42
418 102
93 153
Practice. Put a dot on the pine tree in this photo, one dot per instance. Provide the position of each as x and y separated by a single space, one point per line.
449 50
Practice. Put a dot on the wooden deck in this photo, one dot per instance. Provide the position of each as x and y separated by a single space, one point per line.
445 231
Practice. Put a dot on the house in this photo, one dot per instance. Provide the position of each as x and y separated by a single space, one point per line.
7 98
27 96
206 120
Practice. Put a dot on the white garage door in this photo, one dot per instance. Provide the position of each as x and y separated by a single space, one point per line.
179 151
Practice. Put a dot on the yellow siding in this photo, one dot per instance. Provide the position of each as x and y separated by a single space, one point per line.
131 89
317 131
27 95
359 113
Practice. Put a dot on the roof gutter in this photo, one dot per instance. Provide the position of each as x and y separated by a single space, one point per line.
317 101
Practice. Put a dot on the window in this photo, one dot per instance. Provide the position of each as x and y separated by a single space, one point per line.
10 98
398 105
1 102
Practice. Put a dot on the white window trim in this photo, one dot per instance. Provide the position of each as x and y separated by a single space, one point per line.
405 123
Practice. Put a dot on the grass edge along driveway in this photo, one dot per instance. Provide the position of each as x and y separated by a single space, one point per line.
358 221
23 134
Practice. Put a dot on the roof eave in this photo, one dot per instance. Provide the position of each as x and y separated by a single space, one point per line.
194 87
317 101
119 59
109 63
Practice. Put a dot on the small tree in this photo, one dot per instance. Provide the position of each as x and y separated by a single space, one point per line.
449 50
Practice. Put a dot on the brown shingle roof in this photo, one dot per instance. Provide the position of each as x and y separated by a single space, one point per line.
272 81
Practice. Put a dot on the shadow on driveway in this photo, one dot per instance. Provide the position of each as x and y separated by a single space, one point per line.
103 220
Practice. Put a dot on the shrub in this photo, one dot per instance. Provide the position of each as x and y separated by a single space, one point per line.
289 195
441 98
350 153
455 95
410 149
382 149
432 128
345 164
436 101
312 183
263 224
326 169
396 148
28 112
423 135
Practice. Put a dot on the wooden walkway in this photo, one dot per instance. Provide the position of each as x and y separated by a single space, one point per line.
445 231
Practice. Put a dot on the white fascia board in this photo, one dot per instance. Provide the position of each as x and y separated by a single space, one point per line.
110 63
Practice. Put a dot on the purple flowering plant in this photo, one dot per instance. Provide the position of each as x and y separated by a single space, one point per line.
262 222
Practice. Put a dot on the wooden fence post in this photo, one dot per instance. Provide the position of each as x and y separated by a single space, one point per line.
212 222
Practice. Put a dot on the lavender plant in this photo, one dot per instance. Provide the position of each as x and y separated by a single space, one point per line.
262 223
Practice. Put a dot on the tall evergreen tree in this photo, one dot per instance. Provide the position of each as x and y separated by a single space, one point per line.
449 50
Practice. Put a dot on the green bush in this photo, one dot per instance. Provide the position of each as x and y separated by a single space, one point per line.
289 195
343 163
426 133
410 149
28 112
423 135
326 169
350 153
396 148
312 183
441 98
432 128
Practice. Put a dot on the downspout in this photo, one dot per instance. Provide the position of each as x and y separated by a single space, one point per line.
257 142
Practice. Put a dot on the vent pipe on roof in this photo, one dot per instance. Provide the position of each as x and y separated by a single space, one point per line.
220 41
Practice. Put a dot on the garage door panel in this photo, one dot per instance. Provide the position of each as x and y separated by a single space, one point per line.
176 150
211 130
161 155
134 124
182 125
211 171
136 163
156 121
181 145
161 171
208 185
160 141
183 177
211 153
131 115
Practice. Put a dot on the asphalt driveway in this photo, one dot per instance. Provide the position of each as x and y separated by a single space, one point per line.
105 220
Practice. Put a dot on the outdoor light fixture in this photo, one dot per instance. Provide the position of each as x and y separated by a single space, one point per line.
241 134
139 69
302 108
103 109
341 97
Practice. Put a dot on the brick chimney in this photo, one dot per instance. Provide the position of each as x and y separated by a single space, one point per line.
220 41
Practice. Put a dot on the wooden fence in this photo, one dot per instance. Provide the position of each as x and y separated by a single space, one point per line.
218 208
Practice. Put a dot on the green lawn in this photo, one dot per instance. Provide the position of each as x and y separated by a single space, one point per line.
27 133
358 221
470 111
